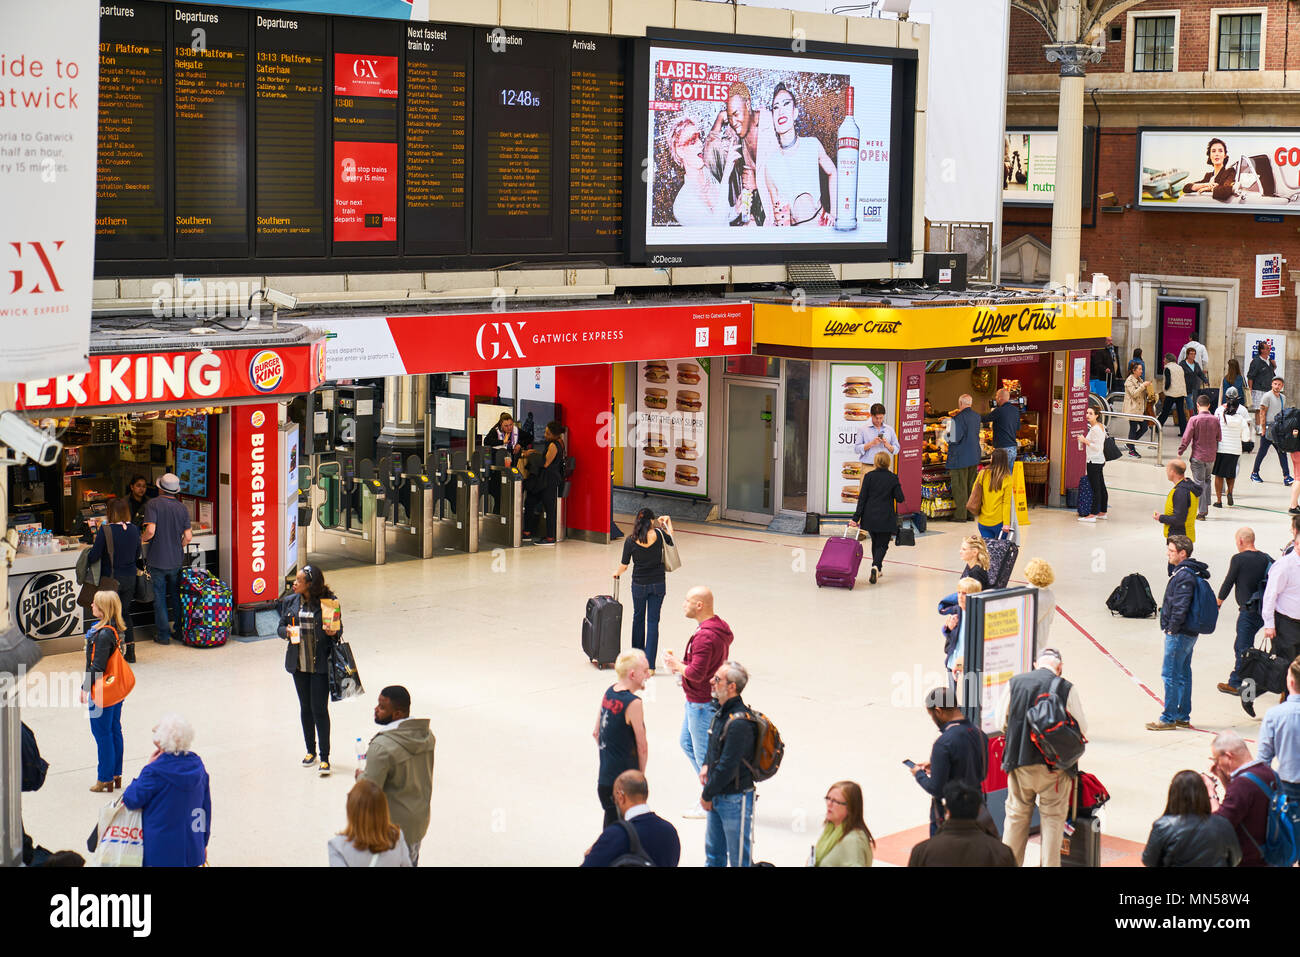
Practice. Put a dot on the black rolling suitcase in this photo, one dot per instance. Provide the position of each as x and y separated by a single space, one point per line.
1083 847
602 629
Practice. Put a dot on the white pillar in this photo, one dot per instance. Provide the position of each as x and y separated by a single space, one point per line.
1069 183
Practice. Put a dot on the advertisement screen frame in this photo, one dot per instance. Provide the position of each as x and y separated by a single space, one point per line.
897 246
1207 132
1089 167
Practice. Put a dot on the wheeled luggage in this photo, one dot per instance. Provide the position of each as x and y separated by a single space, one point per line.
602 629
206 608
840 560
1003 553
1083 847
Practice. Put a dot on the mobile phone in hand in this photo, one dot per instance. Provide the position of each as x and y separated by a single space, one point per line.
911 765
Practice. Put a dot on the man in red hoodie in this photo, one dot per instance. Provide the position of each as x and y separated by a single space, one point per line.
706 650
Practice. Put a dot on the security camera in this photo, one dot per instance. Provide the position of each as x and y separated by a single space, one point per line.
281 299
27 441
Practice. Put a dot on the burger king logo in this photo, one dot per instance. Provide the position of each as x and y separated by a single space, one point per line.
266 371
259 585
257 418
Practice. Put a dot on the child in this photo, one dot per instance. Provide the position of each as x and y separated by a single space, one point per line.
954 607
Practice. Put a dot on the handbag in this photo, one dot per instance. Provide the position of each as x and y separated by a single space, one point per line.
1110 449
905 534
672 559
118 679
976 499
118 841
345 680
86 597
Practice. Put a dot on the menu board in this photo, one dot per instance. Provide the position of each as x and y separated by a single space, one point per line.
596 158
366 87
519 205
209 54
289 120
435 147
192 454
130 210
672 429
854 389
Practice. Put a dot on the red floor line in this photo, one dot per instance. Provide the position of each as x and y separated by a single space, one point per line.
1115 661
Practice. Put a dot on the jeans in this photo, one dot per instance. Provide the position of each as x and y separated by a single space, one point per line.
1200 472
1098 482
1177 675
1011 455
166 604
647 601
1248 625
879 545
729 832
1178 406
1264 446
989 531
1135 431
695 732
314 710
106 726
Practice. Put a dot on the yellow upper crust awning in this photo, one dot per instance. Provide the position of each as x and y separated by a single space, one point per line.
929 332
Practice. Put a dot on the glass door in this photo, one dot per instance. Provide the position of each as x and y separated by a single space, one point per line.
750 477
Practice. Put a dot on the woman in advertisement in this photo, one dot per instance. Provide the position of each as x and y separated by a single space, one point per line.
702 200
791 174
1221 179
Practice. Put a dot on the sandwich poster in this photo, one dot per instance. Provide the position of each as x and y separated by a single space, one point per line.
672 430
855 388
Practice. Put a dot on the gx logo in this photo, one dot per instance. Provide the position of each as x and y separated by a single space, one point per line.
500 349
365 68
41 255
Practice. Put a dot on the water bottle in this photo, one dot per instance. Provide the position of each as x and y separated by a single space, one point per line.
361 756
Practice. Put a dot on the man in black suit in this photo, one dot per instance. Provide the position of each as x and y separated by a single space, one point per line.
658 838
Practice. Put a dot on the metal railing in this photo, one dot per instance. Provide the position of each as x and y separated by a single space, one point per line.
1154 423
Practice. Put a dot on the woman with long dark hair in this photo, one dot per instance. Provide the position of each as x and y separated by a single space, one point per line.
845 840
1233 379
117 546
1187 834
1093 443
1221 178
644 551
991 498
307 658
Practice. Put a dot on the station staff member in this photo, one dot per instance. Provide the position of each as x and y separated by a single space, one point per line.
875 437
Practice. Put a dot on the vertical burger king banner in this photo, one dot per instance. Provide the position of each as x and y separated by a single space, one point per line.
257 502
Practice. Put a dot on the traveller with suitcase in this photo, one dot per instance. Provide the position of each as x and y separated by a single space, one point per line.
840 560
602 629
877 512
649 550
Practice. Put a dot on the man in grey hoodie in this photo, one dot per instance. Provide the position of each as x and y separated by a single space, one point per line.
400 761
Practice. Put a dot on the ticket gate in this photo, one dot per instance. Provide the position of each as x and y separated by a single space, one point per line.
455 523
413 505
346 510
501 516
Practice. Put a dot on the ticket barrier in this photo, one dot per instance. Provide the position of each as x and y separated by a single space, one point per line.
413 492
501 516
455 522
561 501
347 511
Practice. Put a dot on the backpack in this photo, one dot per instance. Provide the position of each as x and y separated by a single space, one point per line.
33 765
1132 598
1053 730
1256 600
1279 848
1110 449
1284 423
636 855
769 749
1203 612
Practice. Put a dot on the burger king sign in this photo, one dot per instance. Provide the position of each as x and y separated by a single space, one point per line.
266 370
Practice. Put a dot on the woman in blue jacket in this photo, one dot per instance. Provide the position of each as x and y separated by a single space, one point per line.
172 792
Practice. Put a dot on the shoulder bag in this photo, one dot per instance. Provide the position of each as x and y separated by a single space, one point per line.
118 678
86 597
672 560
976 500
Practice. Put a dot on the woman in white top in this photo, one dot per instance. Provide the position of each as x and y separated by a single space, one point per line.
791 172
702 200
1093 442
1234 426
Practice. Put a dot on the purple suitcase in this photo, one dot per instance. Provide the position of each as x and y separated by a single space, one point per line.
841 558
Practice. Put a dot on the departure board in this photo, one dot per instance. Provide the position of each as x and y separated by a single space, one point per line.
367 76
210 131
436 143
596 144
289 122
520 87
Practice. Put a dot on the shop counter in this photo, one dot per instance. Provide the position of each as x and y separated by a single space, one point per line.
43 594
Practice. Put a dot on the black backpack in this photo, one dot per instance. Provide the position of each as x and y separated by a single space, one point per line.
636 855
1132 598
1256 601
33 765
1285 423
1053 730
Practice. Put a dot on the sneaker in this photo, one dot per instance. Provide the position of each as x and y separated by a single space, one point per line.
324 769
1294 511
544 541
1229 689
1103 516
873 574
1182 724
1254 477
1089 520
1288 481
695 813
309 760
1133 454
1230 501
1161 726
1218 505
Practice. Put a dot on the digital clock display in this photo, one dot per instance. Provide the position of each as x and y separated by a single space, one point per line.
520 98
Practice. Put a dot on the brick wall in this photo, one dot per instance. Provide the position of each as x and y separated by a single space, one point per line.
1171 243
1027 37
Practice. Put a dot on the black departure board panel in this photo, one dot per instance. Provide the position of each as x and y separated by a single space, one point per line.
289 126
520 89
130 205
596 105
436 142
246 139
209 54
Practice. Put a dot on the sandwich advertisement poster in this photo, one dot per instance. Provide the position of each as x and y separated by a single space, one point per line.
672 430
854 389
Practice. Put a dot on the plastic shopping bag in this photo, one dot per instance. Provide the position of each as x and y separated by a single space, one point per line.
121 837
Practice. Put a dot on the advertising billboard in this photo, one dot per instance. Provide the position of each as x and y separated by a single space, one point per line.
1219 170
1029 166
673 426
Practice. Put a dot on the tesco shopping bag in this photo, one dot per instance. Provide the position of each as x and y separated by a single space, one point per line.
120 837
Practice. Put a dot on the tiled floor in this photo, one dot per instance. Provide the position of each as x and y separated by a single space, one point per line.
488 646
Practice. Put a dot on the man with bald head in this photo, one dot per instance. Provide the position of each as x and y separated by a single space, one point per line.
1245 803
1005 418
706 650
1248 574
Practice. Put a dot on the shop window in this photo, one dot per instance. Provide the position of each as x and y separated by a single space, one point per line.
1153 44
1239 41
764 366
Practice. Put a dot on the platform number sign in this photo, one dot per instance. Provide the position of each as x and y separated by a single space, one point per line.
702 337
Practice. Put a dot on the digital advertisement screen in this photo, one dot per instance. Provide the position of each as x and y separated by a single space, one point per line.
1029 166
748 148
1220 170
